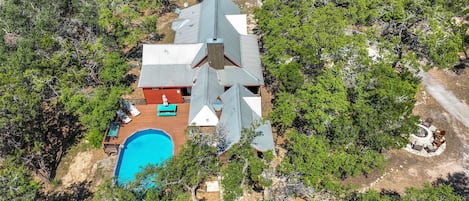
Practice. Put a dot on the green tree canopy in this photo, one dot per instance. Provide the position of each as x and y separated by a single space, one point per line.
16 182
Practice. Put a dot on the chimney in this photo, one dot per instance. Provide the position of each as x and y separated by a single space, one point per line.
216 53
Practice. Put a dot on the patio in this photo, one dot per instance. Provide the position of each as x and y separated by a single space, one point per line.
173 125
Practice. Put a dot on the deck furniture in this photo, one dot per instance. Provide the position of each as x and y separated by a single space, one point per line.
113 129
123 116
165 111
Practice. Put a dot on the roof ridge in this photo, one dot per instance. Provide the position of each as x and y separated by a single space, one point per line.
215 31
238 104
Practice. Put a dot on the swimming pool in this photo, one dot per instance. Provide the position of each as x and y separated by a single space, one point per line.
144 147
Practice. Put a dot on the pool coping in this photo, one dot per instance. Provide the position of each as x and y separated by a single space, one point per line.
114 178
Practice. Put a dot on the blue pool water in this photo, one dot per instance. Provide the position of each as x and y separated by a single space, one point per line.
140 149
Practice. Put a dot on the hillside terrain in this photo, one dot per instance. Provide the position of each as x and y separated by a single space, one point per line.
346 84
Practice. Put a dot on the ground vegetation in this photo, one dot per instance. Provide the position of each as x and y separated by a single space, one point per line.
344 78
63 67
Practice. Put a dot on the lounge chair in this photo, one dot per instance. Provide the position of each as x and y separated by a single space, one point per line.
123 116
133 110
130 108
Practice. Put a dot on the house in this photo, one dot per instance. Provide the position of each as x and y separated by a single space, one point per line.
212 32
214 63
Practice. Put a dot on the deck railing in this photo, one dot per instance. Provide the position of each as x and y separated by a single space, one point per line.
136 101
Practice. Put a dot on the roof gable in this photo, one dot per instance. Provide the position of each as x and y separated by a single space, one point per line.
238 115
204 117
204 92
239 22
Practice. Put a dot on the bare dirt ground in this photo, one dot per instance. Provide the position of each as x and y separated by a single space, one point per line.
405 170
83 164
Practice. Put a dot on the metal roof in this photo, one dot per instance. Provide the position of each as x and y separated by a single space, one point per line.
238 115
187 25
197 23
170 75
231 75
155 54
264 140
207 20
204 92
239 22
193 27
211 18
250 57
231 39
169 65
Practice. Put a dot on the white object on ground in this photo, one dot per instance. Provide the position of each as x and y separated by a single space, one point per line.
212 186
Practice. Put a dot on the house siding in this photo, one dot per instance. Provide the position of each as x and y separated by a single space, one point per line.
154 96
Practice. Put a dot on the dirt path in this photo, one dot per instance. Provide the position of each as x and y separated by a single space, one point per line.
446 98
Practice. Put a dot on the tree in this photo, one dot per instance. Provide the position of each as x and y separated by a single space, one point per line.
108 191
436 193
244 169
16 182
348 107
61 75
321 165
181 175
459 181
431 193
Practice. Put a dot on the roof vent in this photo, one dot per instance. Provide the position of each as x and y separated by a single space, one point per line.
218 104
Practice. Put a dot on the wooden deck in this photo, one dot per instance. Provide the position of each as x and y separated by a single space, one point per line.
174 126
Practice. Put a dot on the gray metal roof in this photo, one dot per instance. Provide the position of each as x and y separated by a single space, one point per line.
264 140
169 75
237 115
250 57
205 90
154 54
231 75
187 25
231 39
200 55
194 25
212 12
206 20
197 23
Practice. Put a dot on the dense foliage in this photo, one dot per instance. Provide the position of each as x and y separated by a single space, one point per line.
244 169
16 182
62 66
429 193
344 77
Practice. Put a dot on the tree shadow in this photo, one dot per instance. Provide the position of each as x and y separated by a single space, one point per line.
459 68
459 181
393 195
75 192
129 79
